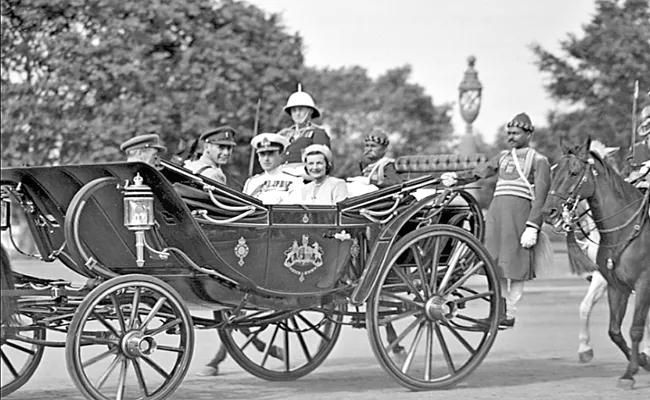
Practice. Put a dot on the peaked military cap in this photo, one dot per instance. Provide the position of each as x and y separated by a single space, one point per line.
522 120
149 141
222 135
377 136
269 141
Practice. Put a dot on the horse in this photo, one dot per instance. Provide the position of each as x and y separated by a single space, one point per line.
597 285
620 212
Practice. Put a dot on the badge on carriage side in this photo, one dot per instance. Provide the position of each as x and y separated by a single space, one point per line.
241 250
303 255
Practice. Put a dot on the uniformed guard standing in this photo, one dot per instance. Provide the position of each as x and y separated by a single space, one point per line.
302 109
144 148
217 149
514 218
273 185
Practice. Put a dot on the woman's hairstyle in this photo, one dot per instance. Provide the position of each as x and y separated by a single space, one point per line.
319 149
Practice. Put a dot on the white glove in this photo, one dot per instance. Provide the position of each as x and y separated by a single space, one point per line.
529 238
364 180
449 178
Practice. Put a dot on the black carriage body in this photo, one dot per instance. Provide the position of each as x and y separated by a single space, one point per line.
288 255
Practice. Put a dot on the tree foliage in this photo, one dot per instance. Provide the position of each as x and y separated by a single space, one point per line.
82 76
100 71
595 73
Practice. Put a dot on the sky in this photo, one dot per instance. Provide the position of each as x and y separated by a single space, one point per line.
436 37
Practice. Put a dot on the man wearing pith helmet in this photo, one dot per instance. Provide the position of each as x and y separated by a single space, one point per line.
514 218
273 185
302 109
144 148
217 148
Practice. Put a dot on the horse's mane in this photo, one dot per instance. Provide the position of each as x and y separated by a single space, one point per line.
619 185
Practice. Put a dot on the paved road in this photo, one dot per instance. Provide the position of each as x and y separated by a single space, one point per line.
536 360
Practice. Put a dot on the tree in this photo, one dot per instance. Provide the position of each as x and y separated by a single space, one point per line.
97 72
353 104
595 74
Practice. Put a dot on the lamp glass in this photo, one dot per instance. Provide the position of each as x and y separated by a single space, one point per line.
4 214
138 212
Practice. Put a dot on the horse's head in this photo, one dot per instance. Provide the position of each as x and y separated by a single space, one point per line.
572 180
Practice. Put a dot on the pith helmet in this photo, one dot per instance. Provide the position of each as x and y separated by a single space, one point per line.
303 99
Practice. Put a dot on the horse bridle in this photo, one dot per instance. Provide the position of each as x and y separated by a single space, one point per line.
571 203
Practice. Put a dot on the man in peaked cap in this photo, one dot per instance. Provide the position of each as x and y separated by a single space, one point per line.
302 109
377 169
144 148
218 145
273 185
514 218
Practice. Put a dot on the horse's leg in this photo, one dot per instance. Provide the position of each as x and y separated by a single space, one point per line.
596 290
617 305
641 307
644 357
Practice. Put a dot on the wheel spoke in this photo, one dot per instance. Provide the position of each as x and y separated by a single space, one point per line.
99 357
414 346
10 366
314 328
287 366
107 372
170 348
267 349
466 299
460 338
20 348
408 282
454 258
397 317
434 264
402 299
402 335
118 312
251 336
156 367
152 313
428 359
140 377
121 382
135 305
163 328
301 339
103 321
468 274
445 349
417 255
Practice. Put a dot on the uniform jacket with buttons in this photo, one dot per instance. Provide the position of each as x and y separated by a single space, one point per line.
299 138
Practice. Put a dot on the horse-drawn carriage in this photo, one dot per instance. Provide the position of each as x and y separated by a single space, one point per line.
158 246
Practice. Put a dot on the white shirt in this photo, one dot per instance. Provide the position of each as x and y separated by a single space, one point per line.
272 187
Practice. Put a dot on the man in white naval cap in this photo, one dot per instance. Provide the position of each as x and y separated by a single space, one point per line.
271 186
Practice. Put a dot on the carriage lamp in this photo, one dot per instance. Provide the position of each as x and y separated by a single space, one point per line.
138 213
5 212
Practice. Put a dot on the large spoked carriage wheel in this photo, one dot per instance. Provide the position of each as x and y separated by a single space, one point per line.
118 344
19 357
279 348
440 295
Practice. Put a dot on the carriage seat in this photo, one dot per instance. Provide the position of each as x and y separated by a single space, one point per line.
410 167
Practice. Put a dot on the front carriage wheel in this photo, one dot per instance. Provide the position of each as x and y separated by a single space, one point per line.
440 294
117 345
282 345
20 358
